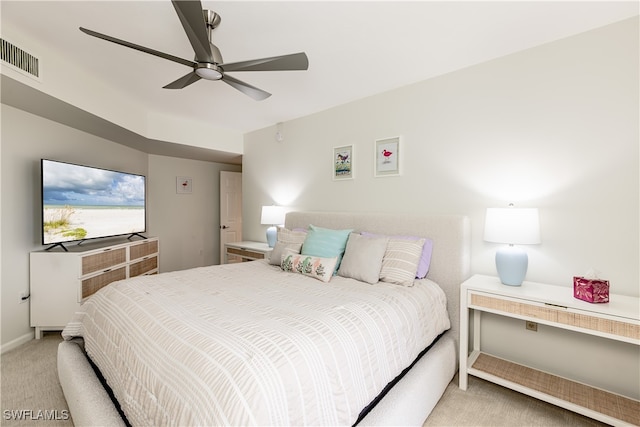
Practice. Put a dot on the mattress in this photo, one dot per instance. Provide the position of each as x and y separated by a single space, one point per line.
249 344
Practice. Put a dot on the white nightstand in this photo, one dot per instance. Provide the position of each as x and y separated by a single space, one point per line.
247 251
553 306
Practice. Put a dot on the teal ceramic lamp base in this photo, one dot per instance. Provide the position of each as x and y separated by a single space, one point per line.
511 263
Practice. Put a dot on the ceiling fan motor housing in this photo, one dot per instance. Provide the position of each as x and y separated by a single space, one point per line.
211 18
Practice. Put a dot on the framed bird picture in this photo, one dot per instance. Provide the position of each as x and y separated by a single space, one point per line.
343 162
184 185
387 157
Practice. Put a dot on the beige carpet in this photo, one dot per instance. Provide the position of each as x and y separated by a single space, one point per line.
488 404
30 391
31 394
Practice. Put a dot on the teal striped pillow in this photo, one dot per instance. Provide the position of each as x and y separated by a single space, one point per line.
325 243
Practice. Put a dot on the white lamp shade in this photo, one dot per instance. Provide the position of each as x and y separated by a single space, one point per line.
272 215
520 226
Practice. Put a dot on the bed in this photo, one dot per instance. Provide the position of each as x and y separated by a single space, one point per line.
269 365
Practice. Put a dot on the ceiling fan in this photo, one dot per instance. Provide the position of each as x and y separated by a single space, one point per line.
198 24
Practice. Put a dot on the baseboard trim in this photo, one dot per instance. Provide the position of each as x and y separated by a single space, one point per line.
17 342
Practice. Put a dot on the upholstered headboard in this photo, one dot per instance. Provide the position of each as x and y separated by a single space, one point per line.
450 261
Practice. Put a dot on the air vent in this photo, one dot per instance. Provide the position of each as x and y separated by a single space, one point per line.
19 59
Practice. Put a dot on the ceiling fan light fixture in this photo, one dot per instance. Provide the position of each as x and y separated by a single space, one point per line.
208 72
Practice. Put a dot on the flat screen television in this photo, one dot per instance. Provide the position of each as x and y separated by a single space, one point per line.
85 202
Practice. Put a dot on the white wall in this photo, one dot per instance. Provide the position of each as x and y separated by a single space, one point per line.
27 138
187 224
553 127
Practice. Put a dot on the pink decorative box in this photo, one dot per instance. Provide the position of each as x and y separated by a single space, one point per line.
591 290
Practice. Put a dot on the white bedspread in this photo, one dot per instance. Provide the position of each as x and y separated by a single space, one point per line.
248 344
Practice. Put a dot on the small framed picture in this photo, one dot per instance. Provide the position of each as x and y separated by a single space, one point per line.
184 185
387 157
343 162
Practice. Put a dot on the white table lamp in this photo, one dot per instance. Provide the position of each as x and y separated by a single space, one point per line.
513 226
272 215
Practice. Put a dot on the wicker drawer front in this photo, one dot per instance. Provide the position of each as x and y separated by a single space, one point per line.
245 253
95 283
103 260
141 267
514 307
556 315
143 249
613 327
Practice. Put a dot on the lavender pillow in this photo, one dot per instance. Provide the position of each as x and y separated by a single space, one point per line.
425 258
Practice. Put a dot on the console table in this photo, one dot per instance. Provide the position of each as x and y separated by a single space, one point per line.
553 306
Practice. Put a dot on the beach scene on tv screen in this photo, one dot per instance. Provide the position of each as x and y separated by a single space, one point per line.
81 202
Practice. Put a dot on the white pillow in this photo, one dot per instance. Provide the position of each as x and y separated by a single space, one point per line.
362 258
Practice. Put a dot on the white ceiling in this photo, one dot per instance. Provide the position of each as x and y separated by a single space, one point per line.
355 49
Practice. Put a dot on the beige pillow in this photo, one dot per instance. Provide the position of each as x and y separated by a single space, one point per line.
362 258
291 236
275 258
400 261
287 239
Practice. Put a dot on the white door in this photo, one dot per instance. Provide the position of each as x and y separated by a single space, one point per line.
230 211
